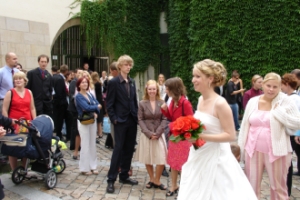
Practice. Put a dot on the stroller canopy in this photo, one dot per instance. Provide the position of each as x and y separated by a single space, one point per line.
44 124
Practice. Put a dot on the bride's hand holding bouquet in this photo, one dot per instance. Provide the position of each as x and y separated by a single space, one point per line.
187 128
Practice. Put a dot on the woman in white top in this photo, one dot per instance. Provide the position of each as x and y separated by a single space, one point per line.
263 138
162 87
212 172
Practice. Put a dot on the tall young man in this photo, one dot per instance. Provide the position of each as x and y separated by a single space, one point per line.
122 108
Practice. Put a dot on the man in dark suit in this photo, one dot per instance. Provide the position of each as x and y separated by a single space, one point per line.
40 84
122 109
60 102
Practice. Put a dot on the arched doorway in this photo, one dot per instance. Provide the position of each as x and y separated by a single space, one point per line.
69 48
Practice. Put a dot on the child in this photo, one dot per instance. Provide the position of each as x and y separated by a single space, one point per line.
235 149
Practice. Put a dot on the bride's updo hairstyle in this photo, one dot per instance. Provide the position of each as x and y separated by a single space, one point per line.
212 68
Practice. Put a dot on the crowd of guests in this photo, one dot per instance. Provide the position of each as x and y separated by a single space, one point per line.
267 135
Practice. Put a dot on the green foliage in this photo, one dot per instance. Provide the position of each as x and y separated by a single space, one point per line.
123 27
253 37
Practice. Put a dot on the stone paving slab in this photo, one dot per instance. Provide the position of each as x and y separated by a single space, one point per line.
72 185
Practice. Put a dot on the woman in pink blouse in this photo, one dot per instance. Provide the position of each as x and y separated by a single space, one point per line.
263 138
254 91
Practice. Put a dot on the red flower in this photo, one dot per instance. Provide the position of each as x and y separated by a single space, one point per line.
194 125
187 124
178 125
200 142
187 135
175 132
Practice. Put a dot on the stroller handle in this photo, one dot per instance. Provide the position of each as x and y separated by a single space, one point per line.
25 125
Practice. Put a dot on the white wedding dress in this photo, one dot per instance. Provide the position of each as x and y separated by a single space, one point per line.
212 172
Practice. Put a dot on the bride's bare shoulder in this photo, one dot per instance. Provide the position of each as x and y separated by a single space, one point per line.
221 102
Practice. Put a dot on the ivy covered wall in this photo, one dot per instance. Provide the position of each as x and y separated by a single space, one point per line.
124 27
253 36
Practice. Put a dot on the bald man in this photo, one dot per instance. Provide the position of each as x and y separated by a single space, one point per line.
6 75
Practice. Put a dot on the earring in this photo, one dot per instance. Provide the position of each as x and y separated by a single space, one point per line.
209 84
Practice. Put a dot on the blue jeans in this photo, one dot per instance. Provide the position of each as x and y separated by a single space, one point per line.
235 112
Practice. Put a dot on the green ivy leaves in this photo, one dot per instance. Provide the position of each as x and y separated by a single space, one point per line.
253 37
124 27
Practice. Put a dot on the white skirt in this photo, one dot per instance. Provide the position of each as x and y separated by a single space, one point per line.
152 152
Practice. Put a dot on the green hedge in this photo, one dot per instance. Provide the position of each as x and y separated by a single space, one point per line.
253 36
124 27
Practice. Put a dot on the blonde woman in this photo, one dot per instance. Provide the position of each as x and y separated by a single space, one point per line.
263 138
98 92
152 148
18 103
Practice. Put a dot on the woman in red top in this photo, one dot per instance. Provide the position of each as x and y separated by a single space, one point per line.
179 106
254 91
18 103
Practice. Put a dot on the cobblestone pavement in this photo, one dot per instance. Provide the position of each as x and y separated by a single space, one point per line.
72 185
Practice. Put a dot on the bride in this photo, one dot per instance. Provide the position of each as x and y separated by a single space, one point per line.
212 172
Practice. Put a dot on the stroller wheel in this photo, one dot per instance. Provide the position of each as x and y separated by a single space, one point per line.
62 165
18 175
50 179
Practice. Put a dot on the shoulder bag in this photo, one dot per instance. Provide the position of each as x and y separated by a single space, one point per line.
87 117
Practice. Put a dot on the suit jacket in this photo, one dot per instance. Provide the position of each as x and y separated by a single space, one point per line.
41 88
59 86
120 105
149 121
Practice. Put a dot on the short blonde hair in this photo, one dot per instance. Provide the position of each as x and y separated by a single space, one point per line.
151 82
272 76
20 74
124 59
212 68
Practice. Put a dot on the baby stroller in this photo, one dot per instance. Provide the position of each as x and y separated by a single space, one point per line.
35 145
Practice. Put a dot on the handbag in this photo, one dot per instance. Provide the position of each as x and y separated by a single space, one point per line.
87 118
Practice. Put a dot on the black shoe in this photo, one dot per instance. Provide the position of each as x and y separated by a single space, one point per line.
296 174
165 173
129 181
110 187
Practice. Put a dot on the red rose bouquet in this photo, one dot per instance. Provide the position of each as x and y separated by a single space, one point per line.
187 128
